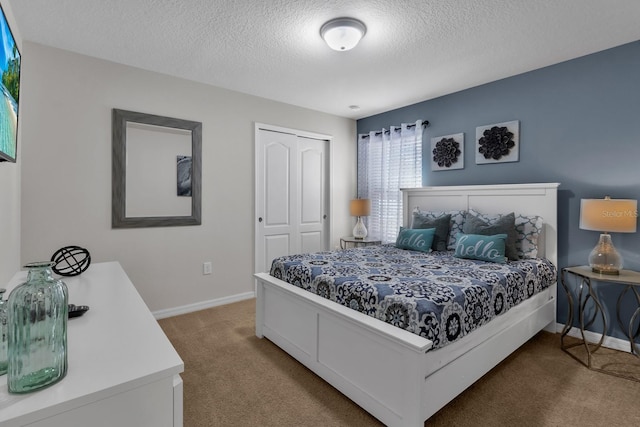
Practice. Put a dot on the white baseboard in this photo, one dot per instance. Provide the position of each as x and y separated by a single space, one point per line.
169 312
609 342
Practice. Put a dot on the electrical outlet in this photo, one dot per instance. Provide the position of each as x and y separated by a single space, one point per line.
207 268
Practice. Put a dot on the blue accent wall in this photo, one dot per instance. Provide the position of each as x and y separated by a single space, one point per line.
579 126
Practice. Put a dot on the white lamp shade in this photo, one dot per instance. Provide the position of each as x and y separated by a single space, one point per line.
343 33
609 215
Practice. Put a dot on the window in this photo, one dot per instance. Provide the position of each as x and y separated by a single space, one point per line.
388 160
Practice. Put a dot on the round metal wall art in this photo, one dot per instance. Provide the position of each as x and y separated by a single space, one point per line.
70 261
496 142
446 152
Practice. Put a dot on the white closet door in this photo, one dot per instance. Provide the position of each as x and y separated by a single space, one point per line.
312 175
291 195
276 196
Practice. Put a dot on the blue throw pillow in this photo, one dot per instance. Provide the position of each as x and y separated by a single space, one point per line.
418 239
481 247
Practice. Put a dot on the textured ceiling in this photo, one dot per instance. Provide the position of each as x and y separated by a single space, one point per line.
414 50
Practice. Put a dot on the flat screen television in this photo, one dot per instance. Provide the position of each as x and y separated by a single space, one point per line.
10 85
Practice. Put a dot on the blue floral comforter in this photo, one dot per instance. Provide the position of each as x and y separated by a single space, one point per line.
434 295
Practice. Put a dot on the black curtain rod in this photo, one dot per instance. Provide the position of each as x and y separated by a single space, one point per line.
425 123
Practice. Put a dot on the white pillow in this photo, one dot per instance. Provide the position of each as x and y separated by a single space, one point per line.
528 229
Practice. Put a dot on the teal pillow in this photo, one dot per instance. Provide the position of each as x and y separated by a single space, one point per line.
441 226
481 247
415 239
506 224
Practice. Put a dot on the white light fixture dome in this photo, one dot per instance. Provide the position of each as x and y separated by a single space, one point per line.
343 33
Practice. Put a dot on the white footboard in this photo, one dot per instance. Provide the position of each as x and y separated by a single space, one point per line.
385 370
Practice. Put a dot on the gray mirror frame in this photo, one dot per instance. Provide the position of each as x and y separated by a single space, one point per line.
119 172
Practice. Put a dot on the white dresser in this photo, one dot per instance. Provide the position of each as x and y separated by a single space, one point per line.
123 371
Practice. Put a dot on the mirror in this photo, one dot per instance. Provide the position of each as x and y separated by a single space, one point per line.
156 170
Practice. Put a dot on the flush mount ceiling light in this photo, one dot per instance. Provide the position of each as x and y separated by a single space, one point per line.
342 33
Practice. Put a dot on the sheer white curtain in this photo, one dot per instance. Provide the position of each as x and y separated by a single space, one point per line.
388 160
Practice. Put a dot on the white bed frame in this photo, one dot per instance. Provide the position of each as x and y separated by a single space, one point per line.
351 350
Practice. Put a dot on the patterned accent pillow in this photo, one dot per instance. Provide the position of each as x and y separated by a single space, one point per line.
455 223
441 225
415 239
503 225
528 229
481 247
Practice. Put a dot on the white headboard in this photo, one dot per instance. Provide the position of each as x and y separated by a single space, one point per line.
526 199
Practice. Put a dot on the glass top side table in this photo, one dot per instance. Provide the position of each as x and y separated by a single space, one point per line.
355 242
583 277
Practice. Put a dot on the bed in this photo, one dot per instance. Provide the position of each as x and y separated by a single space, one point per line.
398 376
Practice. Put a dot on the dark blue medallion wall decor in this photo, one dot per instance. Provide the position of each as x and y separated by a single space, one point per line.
447 152
498 143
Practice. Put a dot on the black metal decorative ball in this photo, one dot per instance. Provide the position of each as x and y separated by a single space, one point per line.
71 260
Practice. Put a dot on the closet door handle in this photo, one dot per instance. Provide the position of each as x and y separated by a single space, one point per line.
260 219
324 216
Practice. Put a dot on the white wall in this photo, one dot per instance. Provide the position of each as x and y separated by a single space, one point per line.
10 189
66 178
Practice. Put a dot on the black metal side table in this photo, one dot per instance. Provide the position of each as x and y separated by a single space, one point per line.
584 276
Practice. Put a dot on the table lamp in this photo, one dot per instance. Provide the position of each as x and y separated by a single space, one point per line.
607 215
360 208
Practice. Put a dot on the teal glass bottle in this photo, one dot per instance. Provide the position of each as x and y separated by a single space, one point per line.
4 329
37 315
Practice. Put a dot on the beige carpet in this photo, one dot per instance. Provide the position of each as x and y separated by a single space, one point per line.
232 378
